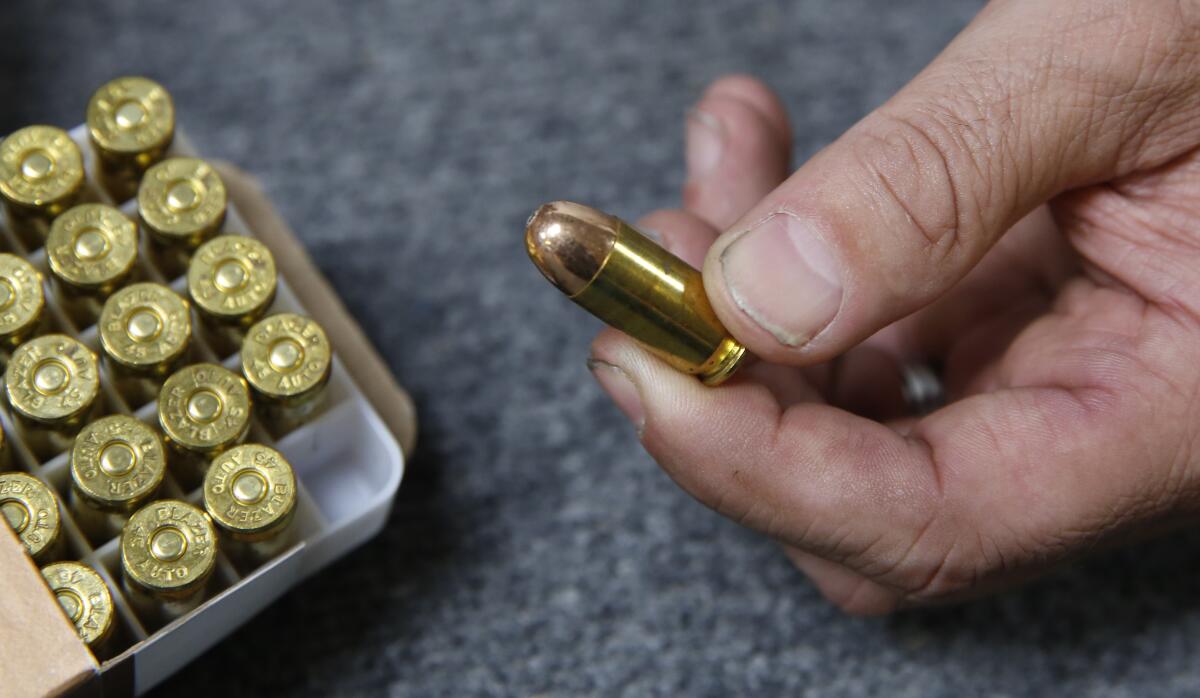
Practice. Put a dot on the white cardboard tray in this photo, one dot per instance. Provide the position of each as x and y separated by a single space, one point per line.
348 464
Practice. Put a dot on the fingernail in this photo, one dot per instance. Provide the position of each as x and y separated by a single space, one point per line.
620 388
784 277
704 143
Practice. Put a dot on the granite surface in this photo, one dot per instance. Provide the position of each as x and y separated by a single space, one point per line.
534 548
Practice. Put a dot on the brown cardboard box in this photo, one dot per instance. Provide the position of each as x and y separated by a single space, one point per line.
40 654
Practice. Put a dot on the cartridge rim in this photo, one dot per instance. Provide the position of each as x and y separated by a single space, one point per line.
117 462
21 297
724 362
250 491
182 200
145 326
84 598
168 547
131 115
286 356
52 378
40 166
31 509
204 408
232 277
91 246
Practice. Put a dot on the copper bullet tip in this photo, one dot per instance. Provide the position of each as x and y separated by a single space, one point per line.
570 243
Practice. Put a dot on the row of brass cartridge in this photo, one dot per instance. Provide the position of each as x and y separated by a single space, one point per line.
118 464
126 479
181 201
168 547
52 383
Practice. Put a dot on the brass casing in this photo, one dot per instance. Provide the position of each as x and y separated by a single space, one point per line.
287 359
91 251
22 302
250 493
168 553
29 506
145 332
117 464
131 123
181 203
41 175
85 599
651 295
231 280
203 409
52 384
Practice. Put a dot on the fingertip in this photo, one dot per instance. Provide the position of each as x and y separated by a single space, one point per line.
735 154
758 95
850 591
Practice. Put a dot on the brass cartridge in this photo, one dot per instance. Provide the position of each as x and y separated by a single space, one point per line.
91 251
85 599
31 509
145 330
117 465
22 303
181 203
634 285
41 175
131 123
250 493
52 384
287 359
231 280
203 409
168 552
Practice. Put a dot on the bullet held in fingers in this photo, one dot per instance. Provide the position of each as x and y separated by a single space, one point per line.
628 281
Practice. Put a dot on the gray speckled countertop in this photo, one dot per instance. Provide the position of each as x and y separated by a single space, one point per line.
534 548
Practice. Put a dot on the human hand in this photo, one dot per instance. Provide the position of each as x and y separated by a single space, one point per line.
1069 334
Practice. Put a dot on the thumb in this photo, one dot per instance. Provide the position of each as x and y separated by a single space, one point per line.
1015 111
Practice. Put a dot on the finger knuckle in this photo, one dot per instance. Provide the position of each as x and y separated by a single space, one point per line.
1132 67
934 565
917 167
